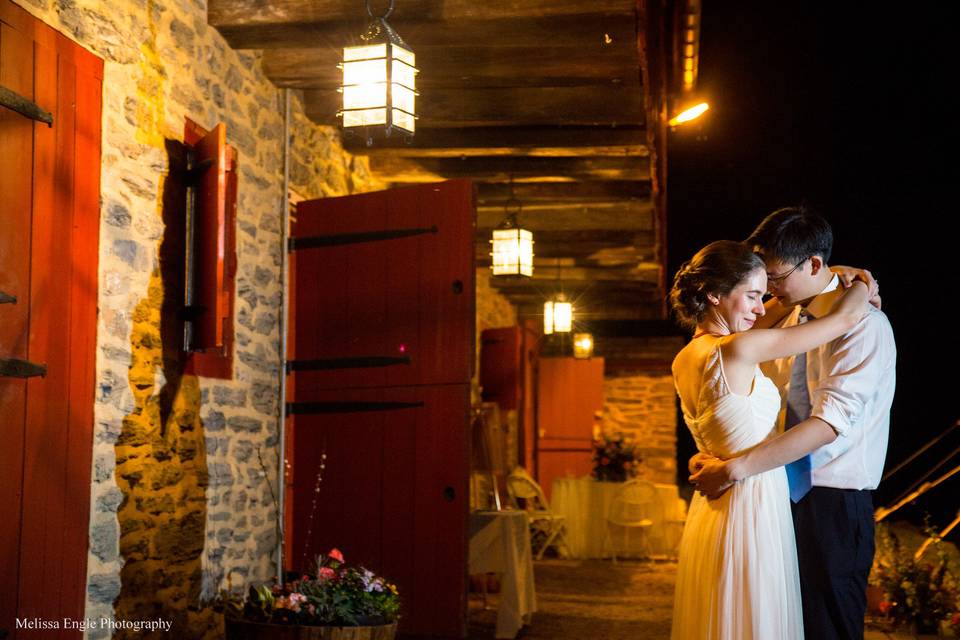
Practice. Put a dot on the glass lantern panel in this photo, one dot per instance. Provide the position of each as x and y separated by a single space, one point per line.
404 74
506 252
364 72
365 96
364 117
562 317
404 55
547 318
402 98
404 120
526 252
364 52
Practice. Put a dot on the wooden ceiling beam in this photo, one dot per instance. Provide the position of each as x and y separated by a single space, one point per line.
628 215
548 275
638 310
333 36
497 193
616 105
333 24
459 67
293 11
503 169
543 141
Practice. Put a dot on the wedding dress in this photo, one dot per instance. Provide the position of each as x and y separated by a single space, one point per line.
737 577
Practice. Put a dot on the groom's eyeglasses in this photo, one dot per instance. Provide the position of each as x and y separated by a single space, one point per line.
784 276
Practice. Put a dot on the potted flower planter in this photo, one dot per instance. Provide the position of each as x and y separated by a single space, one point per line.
336 602
244 630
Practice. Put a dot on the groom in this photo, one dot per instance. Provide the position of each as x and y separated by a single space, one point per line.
836 417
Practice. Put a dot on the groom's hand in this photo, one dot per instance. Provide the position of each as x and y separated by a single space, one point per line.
713 479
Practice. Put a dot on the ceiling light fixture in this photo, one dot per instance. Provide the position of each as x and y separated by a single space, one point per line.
379 82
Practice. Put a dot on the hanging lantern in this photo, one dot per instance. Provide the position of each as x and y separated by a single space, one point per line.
582 345
557 316
379 82
512 253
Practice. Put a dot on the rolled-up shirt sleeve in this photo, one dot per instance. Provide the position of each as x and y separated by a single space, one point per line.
848 381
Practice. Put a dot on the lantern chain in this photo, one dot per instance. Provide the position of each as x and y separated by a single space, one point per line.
384 16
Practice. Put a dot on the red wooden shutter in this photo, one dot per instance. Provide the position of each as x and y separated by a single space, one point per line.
211 232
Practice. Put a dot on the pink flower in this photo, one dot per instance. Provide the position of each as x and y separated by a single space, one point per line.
335 555
326 573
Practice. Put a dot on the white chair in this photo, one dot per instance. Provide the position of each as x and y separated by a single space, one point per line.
674 523
633 508
544 524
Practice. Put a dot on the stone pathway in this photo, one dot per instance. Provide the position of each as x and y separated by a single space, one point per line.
597 600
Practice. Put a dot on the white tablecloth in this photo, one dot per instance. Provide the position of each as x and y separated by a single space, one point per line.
500 543
584 502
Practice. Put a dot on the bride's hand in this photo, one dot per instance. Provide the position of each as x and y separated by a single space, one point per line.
714 478
849 275
697 461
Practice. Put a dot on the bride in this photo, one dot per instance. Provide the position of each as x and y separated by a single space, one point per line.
737 578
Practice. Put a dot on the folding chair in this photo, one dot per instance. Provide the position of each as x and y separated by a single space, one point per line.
633 508
543 521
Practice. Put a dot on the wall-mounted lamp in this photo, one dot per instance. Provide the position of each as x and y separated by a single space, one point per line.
379 82
687 115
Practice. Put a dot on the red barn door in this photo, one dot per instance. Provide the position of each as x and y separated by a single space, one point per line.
569 392
49 220
393 493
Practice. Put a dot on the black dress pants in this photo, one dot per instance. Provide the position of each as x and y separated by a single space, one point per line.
835 545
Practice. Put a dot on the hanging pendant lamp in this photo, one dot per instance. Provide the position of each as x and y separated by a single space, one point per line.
379 82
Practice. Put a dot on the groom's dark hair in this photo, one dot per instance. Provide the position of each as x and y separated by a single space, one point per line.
793 234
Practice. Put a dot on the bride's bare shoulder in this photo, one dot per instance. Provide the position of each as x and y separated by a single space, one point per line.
690 358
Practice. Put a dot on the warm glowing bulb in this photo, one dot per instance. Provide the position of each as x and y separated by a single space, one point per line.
687 115
582 345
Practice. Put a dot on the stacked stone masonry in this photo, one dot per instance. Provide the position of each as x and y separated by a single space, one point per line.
644 405
185 468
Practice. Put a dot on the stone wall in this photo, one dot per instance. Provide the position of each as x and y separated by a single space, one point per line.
185 468
639 399
493 308
644 404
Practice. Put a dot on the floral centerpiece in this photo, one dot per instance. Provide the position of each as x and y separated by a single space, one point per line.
336 595
916 593
615 457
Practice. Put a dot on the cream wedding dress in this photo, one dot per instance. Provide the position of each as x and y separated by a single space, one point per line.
737 578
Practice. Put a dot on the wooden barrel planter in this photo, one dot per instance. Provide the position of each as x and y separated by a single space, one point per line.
242 630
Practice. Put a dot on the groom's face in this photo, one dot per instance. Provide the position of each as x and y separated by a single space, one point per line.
788 281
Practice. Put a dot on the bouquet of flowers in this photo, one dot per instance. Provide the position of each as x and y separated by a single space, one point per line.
615 458
917 593
337 595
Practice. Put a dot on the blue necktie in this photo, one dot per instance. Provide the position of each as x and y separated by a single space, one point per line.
798 410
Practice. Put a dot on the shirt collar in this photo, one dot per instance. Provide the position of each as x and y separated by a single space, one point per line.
824 300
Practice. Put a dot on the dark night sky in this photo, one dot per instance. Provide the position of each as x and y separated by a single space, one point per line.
847 110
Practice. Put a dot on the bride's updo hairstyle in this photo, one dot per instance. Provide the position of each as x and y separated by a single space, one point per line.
717 268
